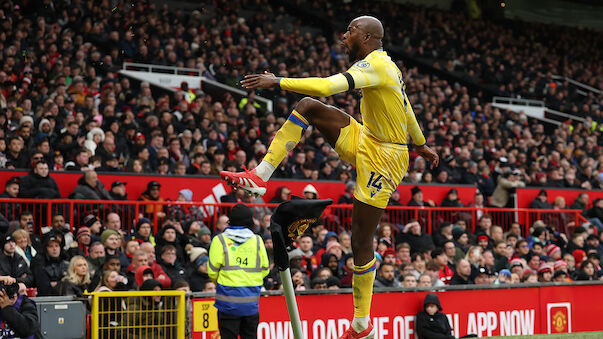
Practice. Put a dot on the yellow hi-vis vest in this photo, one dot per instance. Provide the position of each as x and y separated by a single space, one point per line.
239 270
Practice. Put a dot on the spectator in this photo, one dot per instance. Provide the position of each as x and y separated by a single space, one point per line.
18 312
506 185
501 260
445 273
138 322
96 258
53 265
588 271
24 248
386 278
90 188
38 184
412 234
417 198
431 322
60 227
153 194
77 279
159 274
118 191
81 244
409 281
197 269
9 210
13 265
462 276
483 276
541 201
424 280
174 270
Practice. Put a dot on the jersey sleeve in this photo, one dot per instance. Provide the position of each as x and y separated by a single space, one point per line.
319 87
362 75
413 126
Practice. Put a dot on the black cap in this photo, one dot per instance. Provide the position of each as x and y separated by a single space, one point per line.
111 156
241 215
453 190
543 192
449 158
559 273
163 161
118 183
153 184
415 190
13 180
7 239
89 220
484 270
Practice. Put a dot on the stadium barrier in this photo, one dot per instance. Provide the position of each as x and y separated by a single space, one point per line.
336 217
138 314
484 310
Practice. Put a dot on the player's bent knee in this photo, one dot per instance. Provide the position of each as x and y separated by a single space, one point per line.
307 107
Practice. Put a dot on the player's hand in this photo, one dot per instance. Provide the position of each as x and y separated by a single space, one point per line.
429 155
266 80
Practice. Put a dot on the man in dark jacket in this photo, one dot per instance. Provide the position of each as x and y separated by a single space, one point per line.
412 234
463 273
10 209
53 265
38 184
541 201
12 264
90 188
18 315
170 265
386 277
432 323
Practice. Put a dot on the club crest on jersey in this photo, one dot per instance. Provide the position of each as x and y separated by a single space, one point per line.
363 64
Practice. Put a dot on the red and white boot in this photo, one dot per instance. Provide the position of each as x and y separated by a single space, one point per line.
369 333
247 181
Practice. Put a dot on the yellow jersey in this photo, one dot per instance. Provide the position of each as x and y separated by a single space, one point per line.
385 108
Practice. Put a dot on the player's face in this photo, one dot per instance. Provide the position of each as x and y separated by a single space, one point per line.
351 41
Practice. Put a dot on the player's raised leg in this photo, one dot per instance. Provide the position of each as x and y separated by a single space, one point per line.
327 119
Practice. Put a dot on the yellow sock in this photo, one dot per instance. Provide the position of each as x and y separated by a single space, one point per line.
286 138
362 284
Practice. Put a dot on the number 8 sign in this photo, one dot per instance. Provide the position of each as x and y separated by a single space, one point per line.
205 316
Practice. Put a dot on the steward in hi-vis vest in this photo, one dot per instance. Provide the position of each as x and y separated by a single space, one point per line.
238 263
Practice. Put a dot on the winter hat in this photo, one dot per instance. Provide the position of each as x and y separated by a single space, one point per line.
142 221
559 264
82 231
310 189
186 194
332 244
89 220
196 252
203 230
551 248
505 272
201 260
457 232
149 285
296 253
241 215
389 251
415 190
544 267
106 234
579 255
559 273
516 262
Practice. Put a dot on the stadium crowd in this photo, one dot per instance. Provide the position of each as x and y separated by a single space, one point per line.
64 108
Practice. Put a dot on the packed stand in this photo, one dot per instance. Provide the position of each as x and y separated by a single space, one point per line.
63 102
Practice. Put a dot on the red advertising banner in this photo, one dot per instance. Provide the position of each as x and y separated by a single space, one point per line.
488 312
209 190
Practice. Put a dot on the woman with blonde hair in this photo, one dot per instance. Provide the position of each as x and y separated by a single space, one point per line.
24 248
77 279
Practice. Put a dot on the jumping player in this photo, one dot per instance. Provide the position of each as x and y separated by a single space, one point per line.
378 147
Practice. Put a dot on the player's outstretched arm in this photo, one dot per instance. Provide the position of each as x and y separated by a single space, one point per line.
320 87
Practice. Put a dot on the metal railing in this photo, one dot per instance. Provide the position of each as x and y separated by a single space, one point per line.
335 217
138 314
583 86
178 71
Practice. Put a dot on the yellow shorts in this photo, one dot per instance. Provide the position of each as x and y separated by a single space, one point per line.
380 166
